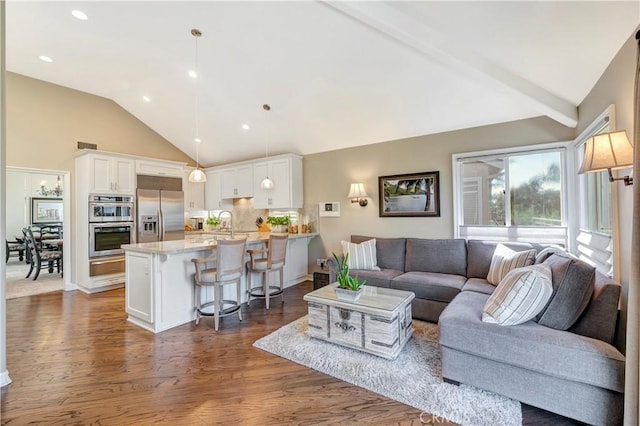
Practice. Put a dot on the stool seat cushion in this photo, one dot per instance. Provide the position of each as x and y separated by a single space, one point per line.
261 265
210 276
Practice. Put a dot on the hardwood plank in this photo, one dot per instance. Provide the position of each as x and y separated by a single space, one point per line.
75 360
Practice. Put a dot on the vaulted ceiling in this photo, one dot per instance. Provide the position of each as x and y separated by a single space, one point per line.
336 74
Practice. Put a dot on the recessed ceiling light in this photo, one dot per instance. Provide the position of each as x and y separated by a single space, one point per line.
45 58
193 74
246 127
146 99
78 14
197 140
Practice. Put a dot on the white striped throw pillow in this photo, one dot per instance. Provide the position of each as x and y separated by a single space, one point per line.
504 260
361 256
520 296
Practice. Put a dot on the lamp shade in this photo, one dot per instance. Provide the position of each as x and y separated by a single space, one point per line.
266 183
197 176
607 151
357 191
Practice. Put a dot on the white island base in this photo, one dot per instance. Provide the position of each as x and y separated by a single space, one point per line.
159 287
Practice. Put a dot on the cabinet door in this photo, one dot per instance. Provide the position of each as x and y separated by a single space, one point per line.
244 181
124 181
297 260
138 287
228 188
213 193
281 193
101 170
193 192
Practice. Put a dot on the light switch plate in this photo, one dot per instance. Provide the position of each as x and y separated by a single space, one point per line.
329 209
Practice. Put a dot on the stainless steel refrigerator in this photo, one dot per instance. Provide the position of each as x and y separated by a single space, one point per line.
160 215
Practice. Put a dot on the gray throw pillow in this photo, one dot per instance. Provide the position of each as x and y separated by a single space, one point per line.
573 282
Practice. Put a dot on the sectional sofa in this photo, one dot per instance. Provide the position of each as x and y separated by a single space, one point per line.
562 361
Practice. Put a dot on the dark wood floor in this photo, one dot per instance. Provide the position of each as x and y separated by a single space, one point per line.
74 360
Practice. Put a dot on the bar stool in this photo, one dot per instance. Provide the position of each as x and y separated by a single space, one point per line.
228 260
276 253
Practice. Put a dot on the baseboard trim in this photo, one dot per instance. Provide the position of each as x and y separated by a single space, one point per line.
4 379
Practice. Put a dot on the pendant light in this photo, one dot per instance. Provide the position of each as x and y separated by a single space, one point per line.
197 175
266 182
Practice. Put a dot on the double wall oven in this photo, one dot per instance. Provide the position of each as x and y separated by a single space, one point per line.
111 224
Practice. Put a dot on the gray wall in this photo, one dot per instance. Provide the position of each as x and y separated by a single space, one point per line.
327 177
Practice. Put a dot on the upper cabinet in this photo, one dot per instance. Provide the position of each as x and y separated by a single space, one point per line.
237 182
286 174
193 192
213 192
159 168
109 174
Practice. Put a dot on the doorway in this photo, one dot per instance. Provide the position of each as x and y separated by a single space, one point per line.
38 199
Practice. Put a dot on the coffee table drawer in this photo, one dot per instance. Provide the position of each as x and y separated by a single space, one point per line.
346 326
318 320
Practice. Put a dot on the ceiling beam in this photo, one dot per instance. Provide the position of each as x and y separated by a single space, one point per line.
414 34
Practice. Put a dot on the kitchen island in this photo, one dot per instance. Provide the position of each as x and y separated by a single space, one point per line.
159 290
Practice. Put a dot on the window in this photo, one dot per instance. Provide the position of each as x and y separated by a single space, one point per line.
515 195
593 229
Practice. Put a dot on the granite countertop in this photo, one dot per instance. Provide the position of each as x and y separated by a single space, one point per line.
199 241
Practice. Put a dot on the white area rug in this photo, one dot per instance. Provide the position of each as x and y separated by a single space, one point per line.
414 378
18 286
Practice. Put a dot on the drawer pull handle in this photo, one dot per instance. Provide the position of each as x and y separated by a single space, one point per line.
345 326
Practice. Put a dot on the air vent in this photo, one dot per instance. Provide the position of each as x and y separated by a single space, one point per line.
86 145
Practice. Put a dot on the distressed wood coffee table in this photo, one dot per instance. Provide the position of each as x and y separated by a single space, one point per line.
379 322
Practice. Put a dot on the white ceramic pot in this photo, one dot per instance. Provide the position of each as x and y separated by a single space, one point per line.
348 295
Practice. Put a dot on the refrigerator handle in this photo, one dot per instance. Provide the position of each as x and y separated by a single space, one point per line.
160 225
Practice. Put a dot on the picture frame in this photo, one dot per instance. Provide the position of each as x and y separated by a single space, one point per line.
410 195
46 210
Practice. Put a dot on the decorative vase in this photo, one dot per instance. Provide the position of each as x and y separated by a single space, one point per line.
348 295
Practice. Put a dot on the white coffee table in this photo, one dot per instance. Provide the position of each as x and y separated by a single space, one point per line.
379 322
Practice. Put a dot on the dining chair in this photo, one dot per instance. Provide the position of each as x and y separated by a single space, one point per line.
227 262
14 247
39 258
265 261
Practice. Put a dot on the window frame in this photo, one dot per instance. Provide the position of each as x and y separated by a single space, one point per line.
503 232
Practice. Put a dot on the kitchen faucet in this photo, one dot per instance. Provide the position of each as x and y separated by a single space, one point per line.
230 219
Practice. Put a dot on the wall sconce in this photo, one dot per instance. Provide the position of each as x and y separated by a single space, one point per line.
608 151
358 194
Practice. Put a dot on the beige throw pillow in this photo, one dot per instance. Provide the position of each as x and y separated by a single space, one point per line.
520 296
361 256
504 260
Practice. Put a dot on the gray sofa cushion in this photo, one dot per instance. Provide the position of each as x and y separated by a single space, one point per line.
600 317
530 345
430 285
441 256
573 282
389 251
479 254
479 285
380 278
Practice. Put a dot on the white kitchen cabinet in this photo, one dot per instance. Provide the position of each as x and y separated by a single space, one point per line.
110 174
286 174
139 298
159 168
297 263
237 182
194 192
213 192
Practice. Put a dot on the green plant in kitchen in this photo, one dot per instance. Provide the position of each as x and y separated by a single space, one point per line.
345 280
213 221
279 220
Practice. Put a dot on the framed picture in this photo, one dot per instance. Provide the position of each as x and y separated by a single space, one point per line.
413 194
46 210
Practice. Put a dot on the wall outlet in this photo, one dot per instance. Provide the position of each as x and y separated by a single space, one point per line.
321 262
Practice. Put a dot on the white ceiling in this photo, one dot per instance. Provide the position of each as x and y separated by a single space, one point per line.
336 74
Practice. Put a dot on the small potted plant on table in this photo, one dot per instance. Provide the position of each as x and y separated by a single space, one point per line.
349 288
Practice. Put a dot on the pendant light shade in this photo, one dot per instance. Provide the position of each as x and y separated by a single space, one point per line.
197 175
266 183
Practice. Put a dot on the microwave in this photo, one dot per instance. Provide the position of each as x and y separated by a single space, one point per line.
111 208
106 239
